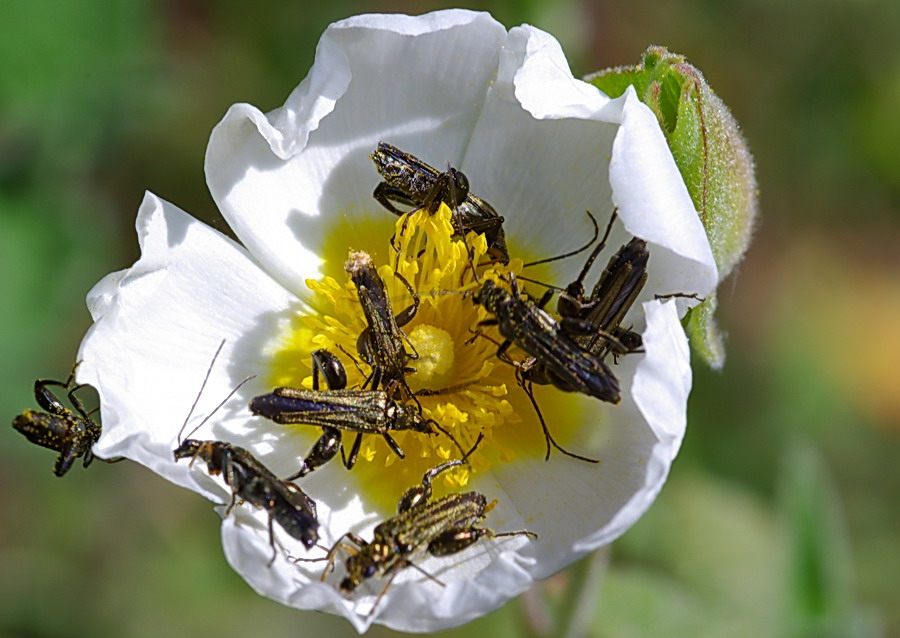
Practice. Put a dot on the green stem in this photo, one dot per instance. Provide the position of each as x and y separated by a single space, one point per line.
577 611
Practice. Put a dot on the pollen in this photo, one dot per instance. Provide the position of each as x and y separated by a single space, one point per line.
454 377
435 349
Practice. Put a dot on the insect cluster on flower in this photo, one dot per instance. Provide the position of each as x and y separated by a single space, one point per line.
574 351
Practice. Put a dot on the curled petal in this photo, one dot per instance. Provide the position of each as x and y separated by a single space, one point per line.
156 327
283 179
576 507
478 580
547 147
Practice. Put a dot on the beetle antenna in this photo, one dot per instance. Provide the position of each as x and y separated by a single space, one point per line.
200 393
573 252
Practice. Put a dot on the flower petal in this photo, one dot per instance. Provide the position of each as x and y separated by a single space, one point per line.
577 507
547 147
305 165
541 171
662 383
655 205
156 327
663 379
477 581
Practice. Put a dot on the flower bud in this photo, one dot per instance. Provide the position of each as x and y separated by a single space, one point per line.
713 158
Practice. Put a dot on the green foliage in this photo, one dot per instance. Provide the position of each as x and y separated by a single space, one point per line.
819 579
703 331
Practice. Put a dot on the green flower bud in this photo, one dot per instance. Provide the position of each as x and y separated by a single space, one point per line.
714 161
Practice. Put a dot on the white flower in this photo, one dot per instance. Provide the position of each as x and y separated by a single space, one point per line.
296 185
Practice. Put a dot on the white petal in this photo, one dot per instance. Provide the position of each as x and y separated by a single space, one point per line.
550 146
541 172
663 379
655 205
477 580
156 328
576 507
543 83
660 391
282 179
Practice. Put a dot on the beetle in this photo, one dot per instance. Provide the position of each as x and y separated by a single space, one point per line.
409 180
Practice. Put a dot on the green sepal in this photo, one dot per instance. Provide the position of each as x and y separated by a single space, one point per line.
713 159
703 332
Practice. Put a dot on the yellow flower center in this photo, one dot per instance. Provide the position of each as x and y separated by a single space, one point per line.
458 381
435 347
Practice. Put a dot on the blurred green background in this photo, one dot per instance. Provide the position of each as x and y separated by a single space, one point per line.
781 516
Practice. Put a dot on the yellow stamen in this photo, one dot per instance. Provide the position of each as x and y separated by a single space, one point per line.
459 382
